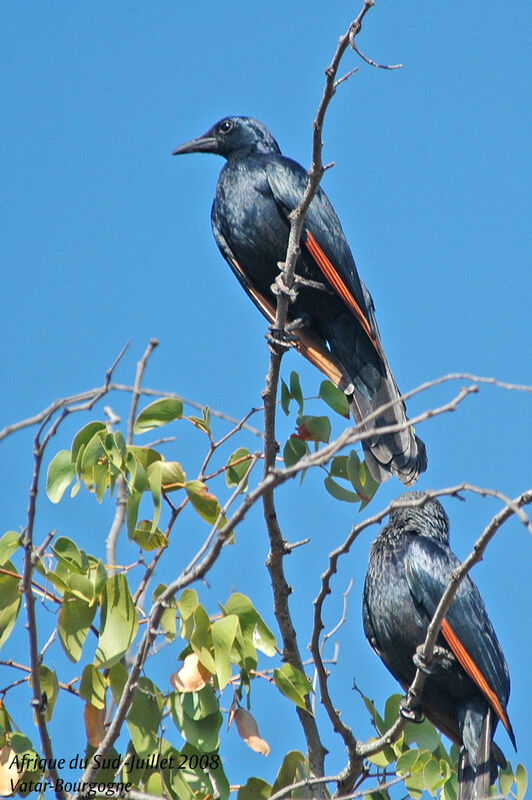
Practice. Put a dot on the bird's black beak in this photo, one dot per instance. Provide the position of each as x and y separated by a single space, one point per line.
203 144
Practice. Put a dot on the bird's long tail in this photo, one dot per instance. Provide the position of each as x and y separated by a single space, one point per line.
398 453
479 756
401 452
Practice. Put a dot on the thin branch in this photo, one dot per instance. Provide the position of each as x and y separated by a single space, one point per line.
121 490
326 637
370 60
141 366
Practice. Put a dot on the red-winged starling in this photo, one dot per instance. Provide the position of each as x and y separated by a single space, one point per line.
468 686
335 321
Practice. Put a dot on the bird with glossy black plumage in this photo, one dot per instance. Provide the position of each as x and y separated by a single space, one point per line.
334 314
468 687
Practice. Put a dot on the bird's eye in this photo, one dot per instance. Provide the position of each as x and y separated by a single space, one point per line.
226 126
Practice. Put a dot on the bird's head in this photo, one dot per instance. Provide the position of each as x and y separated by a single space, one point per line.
243 135
428 519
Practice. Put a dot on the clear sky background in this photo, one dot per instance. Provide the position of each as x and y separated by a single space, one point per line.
105 237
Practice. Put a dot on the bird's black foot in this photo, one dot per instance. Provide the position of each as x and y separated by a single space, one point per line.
425 666
411 714
280 339
322 287
279 287
301 322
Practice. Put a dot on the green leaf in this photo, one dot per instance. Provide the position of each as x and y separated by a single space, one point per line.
337 491
202 782
521 780
293 684
93 686
187 604
199 705
97 575
144 718
69 556
61 473
361 478
138 483
290 770
203 501
119 622
84 436
251 623
203 422
506 779
158 413
9 543
415 785
384 758
334 398
168 621
314 429
10 599
285 397
255 789
75 620
20 743
406 762
234 474
339 467
94 452
117 680
424 734
450 788
223 633
155 481
50 687
148 540
294 450
375 716
391 710
201 639
199 728
81 586
432 776
219 782
295 390
143 455
173 476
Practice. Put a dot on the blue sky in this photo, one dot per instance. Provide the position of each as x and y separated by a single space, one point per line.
106 238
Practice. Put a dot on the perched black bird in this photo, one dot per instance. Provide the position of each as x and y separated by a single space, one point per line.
468 686
336 329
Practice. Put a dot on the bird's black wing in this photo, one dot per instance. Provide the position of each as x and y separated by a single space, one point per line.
263 302
467 628
308 344
324 239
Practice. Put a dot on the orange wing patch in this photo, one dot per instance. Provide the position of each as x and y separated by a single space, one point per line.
475 674
335 280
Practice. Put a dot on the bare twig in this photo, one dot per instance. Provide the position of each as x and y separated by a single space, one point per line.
370 60
141 366
121 490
